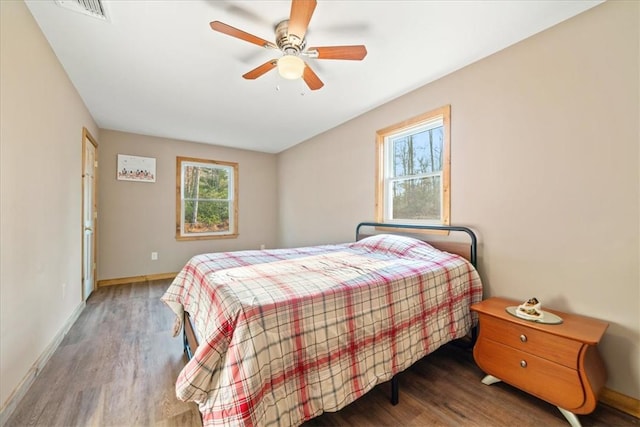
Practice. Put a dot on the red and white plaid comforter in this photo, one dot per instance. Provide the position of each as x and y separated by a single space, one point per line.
288 334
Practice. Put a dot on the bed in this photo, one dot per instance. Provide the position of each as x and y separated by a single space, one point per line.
277 337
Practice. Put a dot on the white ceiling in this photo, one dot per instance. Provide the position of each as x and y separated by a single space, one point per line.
157 68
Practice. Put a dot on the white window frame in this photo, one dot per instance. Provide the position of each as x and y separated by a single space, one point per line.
232 200
384 169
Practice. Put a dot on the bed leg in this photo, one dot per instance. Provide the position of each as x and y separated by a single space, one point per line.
185 340
394 390
474 335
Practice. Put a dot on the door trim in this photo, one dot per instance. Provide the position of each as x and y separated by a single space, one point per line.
86 136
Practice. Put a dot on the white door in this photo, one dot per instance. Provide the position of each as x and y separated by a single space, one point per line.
89 213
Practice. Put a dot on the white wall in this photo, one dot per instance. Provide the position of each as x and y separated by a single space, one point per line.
41 121
545 160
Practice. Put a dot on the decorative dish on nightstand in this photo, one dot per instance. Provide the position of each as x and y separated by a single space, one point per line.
531 310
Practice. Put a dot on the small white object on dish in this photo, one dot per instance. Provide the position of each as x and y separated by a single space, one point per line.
531 309
546 318
529 314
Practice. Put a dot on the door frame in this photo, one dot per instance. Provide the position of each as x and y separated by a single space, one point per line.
87 138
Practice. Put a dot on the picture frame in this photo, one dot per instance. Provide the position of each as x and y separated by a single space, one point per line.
136 168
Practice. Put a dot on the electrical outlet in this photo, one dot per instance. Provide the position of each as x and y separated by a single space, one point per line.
262 246
154 256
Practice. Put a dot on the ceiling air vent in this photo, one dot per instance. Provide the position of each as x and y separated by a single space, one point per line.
93 8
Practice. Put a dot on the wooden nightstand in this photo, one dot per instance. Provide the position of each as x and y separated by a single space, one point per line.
557 363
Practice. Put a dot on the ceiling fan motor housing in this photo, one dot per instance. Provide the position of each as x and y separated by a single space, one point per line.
290 44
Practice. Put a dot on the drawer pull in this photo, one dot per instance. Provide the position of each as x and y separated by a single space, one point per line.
523 363
523 338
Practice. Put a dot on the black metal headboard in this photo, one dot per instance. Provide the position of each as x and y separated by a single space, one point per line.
474 241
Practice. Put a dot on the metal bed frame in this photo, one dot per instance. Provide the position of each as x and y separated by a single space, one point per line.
387 226
473 244
473 248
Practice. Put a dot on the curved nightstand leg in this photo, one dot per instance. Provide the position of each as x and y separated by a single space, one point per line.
571 417
490 379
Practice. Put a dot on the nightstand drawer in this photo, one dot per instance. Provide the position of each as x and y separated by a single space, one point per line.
547 380
547 346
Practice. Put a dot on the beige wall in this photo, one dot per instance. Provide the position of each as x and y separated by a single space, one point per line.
41 120
137 218
545 138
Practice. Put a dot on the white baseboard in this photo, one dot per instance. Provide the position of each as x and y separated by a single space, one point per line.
18 393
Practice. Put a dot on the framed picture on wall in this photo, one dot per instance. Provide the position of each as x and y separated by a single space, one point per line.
136 168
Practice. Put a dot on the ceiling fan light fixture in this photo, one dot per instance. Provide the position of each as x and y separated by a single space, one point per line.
291 67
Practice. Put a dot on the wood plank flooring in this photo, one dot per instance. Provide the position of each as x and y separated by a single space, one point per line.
118 364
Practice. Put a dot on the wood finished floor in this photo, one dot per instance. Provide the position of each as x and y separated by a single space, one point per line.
118 364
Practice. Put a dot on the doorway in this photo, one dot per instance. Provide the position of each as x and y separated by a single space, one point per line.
89 212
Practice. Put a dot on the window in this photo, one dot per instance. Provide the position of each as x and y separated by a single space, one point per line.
413 170
206 199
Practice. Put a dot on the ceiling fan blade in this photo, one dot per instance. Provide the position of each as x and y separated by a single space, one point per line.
262 69
234 32
311 79
300 16
355 53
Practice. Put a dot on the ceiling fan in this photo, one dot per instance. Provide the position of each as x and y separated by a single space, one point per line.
291 42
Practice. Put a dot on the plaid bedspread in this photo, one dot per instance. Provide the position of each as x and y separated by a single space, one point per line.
288 334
